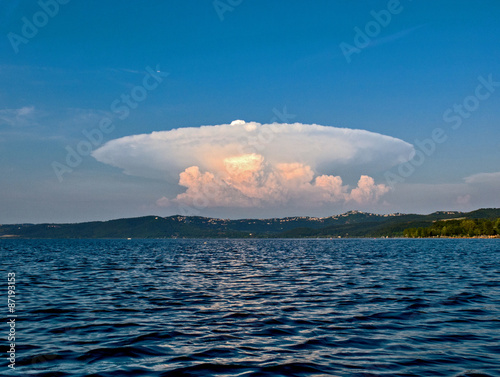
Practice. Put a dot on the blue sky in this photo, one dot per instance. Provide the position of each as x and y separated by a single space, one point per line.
248 61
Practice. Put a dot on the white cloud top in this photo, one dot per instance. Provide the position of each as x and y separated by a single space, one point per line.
247 164
483 178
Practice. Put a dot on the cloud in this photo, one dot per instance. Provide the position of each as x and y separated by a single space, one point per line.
483 178
248 164
17 117
250 182
463 199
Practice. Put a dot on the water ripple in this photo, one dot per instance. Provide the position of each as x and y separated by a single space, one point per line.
256 307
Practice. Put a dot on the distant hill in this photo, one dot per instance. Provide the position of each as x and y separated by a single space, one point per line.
464 227
349 224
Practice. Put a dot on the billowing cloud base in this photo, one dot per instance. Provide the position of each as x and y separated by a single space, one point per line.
249 181
252 165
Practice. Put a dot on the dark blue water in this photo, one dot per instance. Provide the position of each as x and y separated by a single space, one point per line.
254 307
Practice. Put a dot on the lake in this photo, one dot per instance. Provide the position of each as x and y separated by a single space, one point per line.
342 307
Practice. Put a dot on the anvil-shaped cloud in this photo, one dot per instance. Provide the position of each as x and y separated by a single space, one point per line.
245 164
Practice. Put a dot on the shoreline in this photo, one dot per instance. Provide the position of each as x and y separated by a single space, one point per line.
16 237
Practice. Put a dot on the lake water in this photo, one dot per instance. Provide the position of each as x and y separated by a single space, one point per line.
254 307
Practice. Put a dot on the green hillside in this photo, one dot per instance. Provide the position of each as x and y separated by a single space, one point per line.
350 224
457 228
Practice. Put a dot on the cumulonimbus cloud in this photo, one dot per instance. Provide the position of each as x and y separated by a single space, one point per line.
246 164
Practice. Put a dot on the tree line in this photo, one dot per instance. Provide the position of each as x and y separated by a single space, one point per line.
457 228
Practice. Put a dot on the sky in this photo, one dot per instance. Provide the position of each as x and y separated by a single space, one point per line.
247 109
